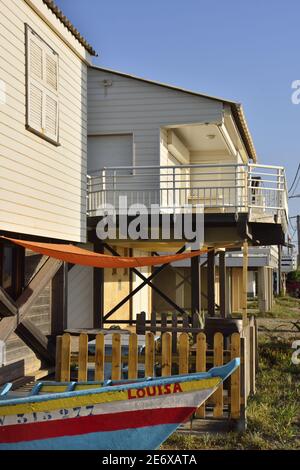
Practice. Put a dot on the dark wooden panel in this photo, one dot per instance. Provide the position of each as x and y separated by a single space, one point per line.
12 371
59 292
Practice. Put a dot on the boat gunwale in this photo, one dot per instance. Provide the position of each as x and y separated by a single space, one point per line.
222 372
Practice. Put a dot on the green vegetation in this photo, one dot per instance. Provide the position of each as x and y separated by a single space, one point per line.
294 276
273 413
284 307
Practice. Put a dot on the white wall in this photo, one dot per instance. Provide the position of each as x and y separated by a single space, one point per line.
80 297
42 186
110 150
128 105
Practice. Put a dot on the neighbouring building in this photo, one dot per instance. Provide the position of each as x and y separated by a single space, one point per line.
160 144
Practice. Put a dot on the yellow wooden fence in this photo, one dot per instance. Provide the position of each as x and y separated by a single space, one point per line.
229 400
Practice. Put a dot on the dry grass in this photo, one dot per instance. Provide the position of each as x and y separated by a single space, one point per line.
273 413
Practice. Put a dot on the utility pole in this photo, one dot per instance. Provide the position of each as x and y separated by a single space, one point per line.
298 234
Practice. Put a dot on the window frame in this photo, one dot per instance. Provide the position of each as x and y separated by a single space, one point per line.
56 143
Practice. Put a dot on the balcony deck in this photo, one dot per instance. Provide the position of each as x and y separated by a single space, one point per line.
258 190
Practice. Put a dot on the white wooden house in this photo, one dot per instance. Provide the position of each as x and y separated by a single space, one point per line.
43 165
160 144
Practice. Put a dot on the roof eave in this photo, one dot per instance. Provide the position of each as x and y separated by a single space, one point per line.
67 23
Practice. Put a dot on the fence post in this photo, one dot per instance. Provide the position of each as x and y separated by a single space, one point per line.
141 323
252 356
149 354
218 361
183 350
116 357
58 354
133 356
65 358
201 366
99 357
82 357
166 354
235 379
243 392
174 333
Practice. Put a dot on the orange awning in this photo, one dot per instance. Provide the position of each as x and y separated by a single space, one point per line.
75 255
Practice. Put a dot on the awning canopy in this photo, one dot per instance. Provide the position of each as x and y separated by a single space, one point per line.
76 255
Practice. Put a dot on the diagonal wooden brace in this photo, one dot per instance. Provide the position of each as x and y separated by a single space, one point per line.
8 324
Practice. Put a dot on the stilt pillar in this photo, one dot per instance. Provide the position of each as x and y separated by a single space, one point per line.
195 284
223 284
245 283
211 283
98 290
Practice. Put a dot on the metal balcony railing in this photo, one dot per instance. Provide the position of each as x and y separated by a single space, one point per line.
259 190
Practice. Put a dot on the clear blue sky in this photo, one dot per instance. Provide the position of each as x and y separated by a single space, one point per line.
245 51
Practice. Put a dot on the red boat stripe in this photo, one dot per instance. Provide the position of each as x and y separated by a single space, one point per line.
93 423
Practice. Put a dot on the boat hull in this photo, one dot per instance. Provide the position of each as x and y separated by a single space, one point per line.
124 417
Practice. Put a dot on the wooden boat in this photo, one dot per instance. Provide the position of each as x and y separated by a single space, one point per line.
128 415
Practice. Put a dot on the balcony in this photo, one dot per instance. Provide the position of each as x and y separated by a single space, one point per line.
258 190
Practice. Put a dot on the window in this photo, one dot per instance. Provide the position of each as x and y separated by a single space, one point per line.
42 87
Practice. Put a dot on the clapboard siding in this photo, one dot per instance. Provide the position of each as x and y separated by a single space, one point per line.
43 187
133 106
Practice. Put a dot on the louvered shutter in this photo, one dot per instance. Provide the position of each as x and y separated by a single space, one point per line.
42 87
51 96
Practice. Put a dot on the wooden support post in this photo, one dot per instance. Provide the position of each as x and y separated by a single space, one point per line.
195 284
59 300
218 361
99 357
211 283
65 358
166 354
82 357
201 366
149 354
245 283
235 379
58 353
223 284
183 349
98 290
243 388
133 356
252 356
116 357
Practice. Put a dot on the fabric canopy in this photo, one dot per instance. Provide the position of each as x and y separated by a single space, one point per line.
75 255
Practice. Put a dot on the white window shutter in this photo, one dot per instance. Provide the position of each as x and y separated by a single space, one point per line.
35 107
51 71
51 116
35 60
42 87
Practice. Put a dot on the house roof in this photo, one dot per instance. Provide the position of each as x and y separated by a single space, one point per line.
236 108
67 23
